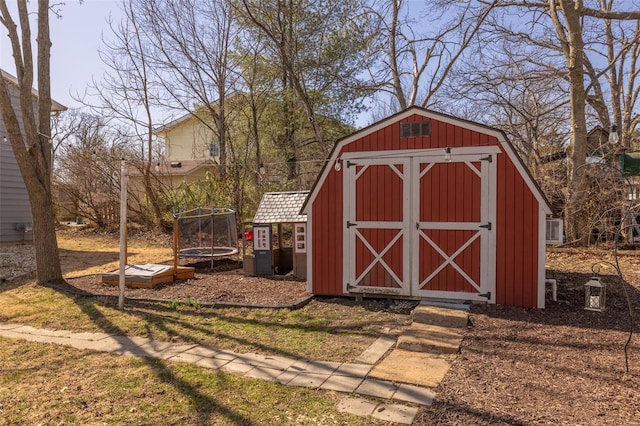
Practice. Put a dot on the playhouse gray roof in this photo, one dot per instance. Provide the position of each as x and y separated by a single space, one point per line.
281 207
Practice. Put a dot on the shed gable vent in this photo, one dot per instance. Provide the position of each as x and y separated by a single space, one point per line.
415 129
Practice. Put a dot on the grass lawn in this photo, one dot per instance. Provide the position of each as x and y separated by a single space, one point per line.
48 384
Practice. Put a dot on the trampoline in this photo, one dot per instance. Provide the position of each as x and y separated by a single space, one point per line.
205 233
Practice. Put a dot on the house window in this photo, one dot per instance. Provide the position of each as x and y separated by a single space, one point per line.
214 149
415 129
554 231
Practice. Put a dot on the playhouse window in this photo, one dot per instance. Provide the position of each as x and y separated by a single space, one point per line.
415 129
300 236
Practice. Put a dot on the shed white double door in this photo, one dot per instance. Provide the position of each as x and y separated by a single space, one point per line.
420 225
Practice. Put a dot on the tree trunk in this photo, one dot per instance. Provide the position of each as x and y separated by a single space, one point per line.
32 149
574 51
45 242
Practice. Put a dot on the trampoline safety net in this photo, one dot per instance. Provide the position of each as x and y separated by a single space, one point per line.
206 232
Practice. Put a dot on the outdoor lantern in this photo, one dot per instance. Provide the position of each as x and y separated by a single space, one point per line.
595 292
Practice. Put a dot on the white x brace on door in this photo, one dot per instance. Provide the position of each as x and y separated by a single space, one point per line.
420 225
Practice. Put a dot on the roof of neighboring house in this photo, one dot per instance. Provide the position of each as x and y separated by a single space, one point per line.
55 106
175 168
174 123
281 207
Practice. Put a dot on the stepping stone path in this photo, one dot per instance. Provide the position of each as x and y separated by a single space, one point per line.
418 361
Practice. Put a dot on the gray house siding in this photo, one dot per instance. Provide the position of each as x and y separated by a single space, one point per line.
15 209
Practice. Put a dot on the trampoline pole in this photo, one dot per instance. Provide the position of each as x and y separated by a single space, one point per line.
213 247
175 247
228 217
199 228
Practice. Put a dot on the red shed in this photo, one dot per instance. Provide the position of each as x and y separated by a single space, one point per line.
425 205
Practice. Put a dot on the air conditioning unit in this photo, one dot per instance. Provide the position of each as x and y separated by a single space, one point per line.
555 231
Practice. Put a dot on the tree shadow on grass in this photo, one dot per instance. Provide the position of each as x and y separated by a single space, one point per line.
187 325
203 404
14 283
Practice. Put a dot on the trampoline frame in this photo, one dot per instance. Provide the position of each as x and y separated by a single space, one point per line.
202 251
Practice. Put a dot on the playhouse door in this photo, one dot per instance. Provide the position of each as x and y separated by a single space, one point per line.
377 213
454 218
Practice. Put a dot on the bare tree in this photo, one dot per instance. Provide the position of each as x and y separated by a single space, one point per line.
563 29
128 94
28 126
418 48
515 96
190 42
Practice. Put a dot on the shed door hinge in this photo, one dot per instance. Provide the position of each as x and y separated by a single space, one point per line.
351 163
350 224
487 226
488 158
486 295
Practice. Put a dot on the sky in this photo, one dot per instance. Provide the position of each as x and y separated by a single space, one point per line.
76 38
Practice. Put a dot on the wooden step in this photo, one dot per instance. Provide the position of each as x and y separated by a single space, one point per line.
442 316
430 338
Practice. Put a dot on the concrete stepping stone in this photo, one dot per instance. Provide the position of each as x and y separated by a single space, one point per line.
437 315
395 413
344 384
377 388
430 338
415 394
416 368
373 353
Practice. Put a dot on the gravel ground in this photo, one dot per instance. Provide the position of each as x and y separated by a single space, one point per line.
16 260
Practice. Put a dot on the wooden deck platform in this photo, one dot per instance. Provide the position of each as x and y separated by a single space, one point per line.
148 276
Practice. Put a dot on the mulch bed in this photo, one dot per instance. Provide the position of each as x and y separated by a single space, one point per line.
561 365
225 283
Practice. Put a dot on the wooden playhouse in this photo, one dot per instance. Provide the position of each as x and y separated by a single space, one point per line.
425 205
279 234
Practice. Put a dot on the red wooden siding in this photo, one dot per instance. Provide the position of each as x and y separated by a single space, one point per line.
517 234
379 194
517 216
327 229
442 135
450 193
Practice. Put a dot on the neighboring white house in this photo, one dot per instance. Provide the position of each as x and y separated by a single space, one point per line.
15 209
